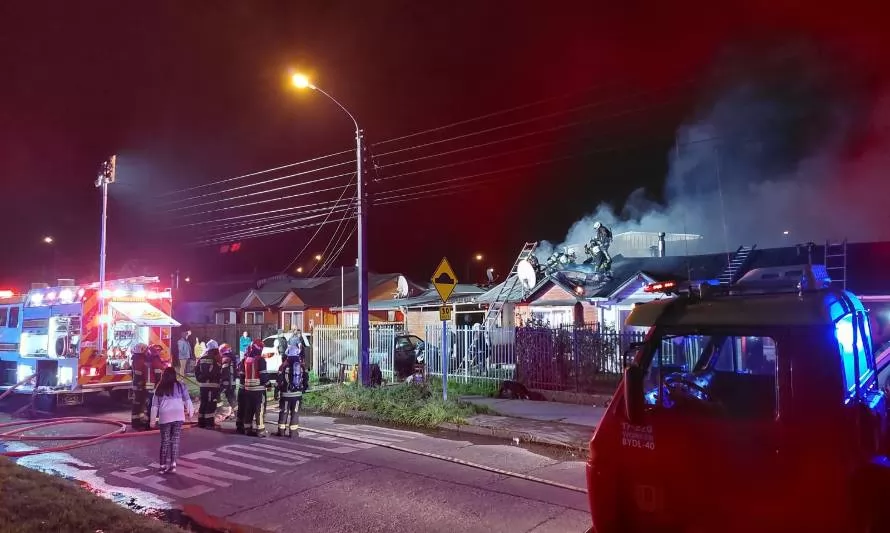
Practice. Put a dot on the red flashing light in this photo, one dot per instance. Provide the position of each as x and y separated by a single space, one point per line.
660 286
235 247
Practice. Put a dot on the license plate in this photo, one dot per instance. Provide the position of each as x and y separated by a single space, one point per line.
70 399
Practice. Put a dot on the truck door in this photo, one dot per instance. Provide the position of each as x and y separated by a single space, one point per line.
706 449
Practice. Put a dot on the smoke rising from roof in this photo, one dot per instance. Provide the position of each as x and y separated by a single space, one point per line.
784 146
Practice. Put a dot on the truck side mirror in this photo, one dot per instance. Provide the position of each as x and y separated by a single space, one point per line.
633 393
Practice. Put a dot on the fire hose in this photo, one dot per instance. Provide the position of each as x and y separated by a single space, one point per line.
22 427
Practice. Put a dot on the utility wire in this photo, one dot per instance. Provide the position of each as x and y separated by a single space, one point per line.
258 193
261 202
333 243
248 232
314 235
273 232
240 187
253 215
257 173
336 254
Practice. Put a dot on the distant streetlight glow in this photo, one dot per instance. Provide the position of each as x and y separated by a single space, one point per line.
318 257
300 81
785 232
299 270
48 240
478 257
188 279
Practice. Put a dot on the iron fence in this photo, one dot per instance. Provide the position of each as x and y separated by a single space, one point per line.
474 353
335 350
571 358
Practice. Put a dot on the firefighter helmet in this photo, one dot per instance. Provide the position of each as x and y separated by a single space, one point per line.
155 350
225 349
212 345
597 225
139 348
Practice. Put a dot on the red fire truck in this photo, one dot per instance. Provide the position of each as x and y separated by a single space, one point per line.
749 408
53 333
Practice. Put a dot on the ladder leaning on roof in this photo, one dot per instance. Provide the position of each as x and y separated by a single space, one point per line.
510 281
836 262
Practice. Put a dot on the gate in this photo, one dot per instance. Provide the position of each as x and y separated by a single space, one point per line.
335 350
475 353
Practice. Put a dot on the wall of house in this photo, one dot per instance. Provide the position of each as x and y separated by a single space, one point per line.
416 320
269 317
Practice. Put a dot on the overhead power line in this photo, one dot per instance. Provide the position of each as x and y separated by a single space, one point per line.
260 202
272 232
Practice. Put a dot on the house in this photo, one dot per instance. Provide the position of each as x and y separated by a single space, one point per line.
196 303
289 302
558 299
422 310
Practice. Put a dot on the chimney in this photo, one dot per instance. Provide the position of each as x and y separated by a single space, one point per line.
661 244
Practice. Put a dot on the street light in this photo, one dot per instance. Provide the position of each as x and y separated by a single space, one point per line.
299 270
48 240
301 81
318 257
478 258
106 177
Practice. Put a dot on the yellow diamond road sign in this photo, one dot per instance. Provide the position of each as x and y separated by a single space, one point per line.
444 279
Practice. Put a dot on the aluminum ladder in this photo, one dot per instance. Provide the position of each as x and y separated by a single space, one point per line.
836 262
736 265
507 287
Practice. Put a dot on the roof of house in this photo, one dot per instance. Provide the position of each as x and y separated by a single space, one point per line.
463 293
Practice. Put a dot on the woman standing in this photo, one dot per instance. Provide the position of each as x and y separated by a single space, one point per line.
168 406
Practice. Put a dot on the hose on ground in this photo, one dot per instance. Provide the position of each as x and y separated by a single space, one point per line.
17 385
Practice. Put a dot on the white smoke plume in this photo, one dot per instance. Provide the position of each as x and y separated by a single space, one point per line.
771 154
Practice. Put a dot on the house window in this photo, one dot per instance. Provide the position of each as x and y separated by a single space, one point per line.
291 320
221 317
554 316
350 319
253 317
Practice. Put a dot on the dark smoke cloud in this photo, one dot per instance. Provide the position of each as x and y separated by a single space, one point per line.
770 153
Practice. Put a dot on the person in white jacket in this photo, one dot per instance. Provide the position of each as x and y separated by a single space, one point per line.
169 406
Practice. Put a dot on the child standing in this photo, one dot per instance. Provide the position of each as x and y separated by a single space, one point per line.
168 406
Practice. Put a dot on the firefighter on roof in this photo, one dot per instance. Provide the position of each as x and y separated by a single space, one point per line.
291 385
598 247
227 376
207 373
250 371
139 372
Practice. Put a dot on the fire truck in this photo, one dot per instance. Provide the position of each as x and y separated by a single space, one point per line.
753 407
53 333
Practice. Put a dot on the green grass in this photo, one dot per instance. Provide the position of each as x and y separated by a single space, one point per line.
409 405
31 501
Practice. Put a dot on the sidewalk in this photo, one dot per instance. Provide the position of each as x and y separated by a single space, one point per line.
551 423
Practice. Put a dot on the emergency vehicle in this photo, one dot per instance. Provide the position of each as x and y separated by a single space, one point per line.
754 407
53 333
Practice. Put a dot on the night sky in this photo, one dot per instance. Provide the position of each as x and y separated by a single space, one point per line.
187 93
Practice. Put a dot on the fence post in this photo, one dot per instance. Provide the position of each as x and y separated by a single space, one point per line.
577 358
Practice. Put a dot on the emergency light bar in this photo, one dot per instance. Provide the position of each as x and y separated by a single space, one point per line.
7 294
661 286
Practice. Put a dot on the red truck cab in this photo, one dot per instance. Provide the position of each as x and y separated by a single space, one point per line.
753 408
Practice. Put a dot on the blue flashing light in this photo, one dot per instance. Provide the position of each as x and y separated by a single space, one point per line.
843 332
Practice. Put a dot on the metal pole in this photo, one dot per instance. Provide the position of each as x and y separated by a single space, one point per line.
444 360
101 336
342 297
364 322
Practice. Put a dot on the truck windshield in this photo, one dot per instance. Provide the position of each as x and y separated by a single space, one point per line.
734 375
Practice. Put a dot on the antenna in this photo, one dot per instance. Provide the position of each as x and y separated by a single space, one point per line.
526 274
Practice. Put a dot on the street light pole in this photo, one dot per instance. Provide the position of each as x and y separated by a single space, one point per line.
105 178
364 323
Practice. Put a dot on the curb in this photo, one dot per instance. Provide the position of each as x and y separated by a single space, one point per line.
484 431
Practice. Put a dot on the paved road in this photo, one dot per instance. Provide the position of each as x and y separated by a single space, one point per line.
317 481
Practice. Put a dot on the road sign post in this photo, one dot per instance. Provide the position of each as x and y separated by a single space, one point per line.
444 280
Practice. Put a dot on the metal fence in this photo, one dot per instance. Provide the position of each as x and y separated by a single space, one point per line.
473 353
335 350
567 358
571 358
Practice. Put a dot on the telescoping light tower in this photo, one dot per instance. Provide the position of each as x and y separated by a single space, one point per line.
105 178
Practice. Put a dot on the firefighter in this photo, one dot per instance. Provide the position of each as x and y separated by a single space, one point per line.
252 408
156 365
291 384
207 372
602 239
227 376
139 372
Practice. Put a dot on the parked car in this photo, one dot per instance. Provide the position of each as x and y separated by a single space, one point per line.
270 350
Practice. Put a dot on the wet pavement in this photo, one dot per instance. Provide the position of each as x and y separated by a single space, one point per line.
339 484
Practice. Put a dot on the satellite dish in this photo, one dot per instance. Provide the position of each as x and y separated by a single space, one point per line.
526 274
402 290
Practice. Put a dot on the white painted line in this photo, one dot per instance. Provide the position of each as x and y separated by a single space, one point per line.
211 456
156 482
232 449
281 450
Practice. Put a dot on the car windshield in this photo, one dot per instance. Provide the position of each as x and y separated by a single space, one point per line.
269 342
736 374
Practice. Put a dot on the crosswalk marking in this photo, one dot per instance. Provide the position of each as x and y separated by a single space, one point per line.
157 482
233 449
211 456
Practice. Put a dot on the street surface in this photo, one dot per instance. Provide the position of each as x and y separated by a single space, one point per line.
317 481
